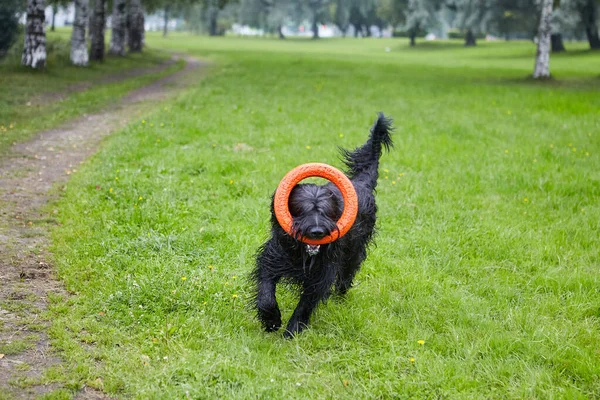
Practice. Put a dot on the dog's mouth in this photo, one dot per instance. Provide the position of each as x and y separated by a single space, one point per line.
313 249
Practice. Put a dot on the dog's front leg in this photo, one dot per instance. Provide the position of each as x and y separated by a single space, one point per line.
266 304
308 302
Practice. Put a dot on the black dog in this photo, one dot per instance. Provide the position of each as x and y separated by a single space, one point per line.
315 210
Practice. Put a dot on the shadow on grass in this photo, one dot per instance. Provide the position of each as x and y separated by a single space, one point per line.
585 84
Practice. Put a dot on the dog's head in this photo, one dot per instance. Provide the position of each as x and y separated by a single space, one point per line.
315 210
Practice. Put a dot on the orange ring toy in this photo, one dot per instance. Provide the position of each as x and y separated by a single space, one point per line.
335 176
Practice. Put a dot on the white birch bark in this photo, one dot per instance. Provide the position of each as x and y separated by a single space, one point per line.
117 39
34 49
79 51
542 59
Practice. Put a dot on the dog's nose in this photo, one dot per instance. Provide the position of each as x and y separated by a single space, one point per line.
317 233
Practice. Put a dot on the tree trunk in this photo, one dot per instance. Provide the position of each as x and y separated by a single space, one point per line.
213 14
470 38
356 30
280 32
166 22
34 49
119 26
592 35
135 23
79 51
542 61
557 43
52 27
97 47
589 14
315 26
412 35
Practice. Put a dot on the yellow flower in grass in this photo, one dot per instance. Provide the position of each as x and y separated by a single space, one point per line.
412 359
183 278
421 342
307 147
525 200
234 296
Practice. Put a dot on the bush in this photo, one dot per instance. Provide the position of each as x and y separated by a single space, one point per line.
456 34
9 21
404 34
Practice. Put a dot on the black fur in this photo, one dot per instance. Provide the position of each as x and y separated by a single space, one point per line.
315 210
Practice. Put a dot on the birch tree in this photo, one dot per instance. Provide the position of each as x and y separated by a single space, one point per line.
97 28
34 49
79 51
119 25
542 60
135 26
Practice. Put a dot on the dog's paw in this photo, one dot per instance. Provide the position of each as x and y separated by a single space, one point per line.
272 326
294 328
271 319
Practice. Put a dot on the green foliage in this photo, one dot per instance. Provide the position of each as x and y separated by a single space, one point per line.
456 34
420 33
9 21
487 247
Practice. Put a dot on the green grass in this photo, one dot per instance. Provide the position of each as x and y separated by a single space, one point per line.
31 101
487 250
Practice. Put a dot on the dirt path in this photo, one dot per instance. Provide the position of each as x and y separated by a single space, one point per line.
27 176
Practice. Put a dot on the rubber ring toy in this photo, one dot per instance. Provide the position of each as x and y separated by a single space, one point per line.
332 174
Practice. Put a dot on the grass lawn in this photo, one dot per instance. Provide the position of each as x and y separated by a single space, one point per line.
31 101
484 281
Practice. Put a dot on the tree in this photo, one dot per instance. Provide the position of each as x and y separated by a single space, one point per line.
584 14
421 14
542 60
211 8
135 26
97 28
589 16
393 11
9 21
79 51
316 8
340 15
119 26
34 49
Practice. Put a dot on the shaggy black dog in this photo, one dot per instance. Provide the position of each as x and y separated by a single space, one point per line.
315 210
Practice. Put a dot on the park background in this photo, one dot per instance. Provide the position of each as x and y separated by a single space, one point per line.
483 282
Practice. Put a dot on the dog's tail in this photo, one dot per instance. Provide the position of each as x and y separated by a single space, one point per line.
364 160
